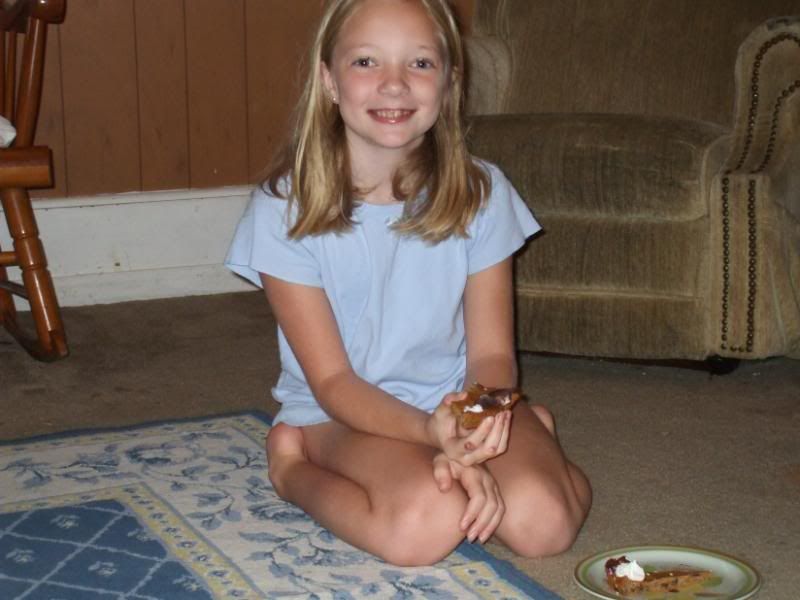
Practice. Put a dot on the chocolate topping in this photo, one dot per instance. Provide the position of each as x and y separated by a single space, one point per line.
495 398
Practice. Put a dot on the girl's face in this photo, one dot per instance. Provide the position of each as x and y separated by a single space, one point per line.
387 73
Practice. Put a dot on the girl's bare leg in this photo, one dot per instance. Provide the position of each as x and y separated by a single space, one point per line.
376 493
547 497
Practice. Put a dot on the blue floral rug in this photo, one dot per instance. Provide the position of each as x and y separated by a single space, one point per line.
185 510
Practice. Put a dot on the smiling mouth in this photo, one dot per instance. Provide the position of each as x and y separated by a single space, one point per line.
391 115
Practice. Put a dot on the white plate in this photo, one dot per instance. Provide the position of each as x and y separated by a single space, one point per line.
733 578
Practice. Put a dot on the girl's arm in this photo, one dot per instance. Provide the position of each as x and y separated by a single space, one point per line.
489 325
491 360
306 319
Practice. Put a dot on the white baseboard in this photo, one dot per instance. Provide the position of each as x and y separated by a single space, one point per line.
138 246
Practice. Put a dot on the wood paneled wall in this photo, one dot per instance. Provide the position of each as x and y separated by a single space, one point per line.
169 94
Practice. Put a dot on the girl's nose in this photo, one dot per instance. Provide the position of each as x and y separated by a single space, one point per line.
394 81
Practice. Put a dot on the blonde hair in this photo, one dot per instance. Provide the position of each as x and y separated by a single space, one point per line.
316 159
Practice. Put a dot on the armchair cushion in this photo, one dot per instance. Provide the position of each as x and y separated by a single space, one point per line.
622 198
629 166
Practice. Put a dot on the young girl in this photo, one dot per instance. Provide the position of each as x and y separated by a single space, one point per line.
385 252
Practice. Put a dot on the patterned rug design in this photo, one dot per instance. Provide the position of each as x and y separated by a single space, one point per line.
184 510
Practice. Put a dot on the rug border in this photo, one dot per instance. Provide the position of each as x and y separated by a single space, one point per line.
46 437
476 552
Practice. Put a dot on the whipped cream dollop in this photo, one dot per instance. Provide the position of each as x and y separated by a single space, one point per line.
631 570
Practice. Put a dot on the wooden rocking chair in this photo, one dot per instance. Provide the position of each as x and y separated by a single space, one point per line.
24 166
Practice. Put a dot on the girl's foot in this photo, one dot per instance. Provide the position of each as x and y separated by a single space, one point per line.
285 449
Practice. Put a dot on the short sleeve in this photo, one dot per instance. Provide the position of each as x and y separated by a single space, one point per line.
261 245
501 227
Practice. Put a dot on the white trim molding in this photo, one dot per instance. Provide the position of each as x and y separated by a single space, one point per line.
138 246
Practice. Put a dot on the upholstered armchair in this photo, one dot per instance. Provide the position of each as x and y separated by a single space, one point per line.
659 145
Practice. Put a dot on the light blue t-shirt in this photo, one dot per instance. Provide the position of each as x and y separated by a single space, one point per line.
397 299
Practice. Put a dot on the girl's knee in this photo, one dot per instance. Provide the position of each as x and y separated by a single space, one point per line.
544 525
425 531
544 535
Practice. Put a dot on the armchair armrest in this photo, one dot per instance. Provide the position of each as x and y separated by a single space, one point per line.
488 74
488 56
756 224
767 113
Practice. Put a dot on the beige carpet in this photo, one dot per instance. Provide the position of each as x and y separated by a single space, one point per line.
675 456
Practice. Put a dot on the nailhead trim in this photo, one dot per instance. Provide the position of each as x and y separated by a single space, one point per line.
751 264
726 262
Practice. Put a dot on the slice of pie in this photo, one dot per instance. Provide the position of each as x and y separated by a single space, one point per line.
482 402
626 577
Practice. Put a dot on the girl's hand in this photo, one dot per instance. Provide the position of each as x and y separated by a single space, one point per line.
485 508
442 425
466 447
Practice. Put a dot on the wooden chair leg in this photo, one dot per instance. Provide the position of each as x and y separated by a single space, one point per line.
49 343
7 309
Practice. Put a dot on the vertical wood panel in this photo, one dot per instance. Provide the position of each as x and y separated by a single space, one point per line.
50 128
164 94
100 97
465 10
215 46
161 67
275 72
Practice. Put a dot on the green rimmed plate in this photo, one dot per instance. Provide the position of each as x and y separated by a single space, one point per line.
733 579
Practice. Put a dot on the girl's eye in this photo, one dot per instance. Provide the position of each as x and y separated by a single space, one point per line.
363 62
424 63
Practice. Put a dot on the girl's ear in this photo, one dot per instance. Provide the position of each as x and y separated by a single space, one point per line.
328 82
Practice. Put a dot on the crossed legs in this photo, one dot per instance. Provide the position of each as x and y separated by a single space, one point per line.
376 493
379 494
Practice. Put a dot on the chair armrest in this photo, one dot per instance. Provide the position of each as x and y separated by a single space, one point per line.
51 11
13 16
25 167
